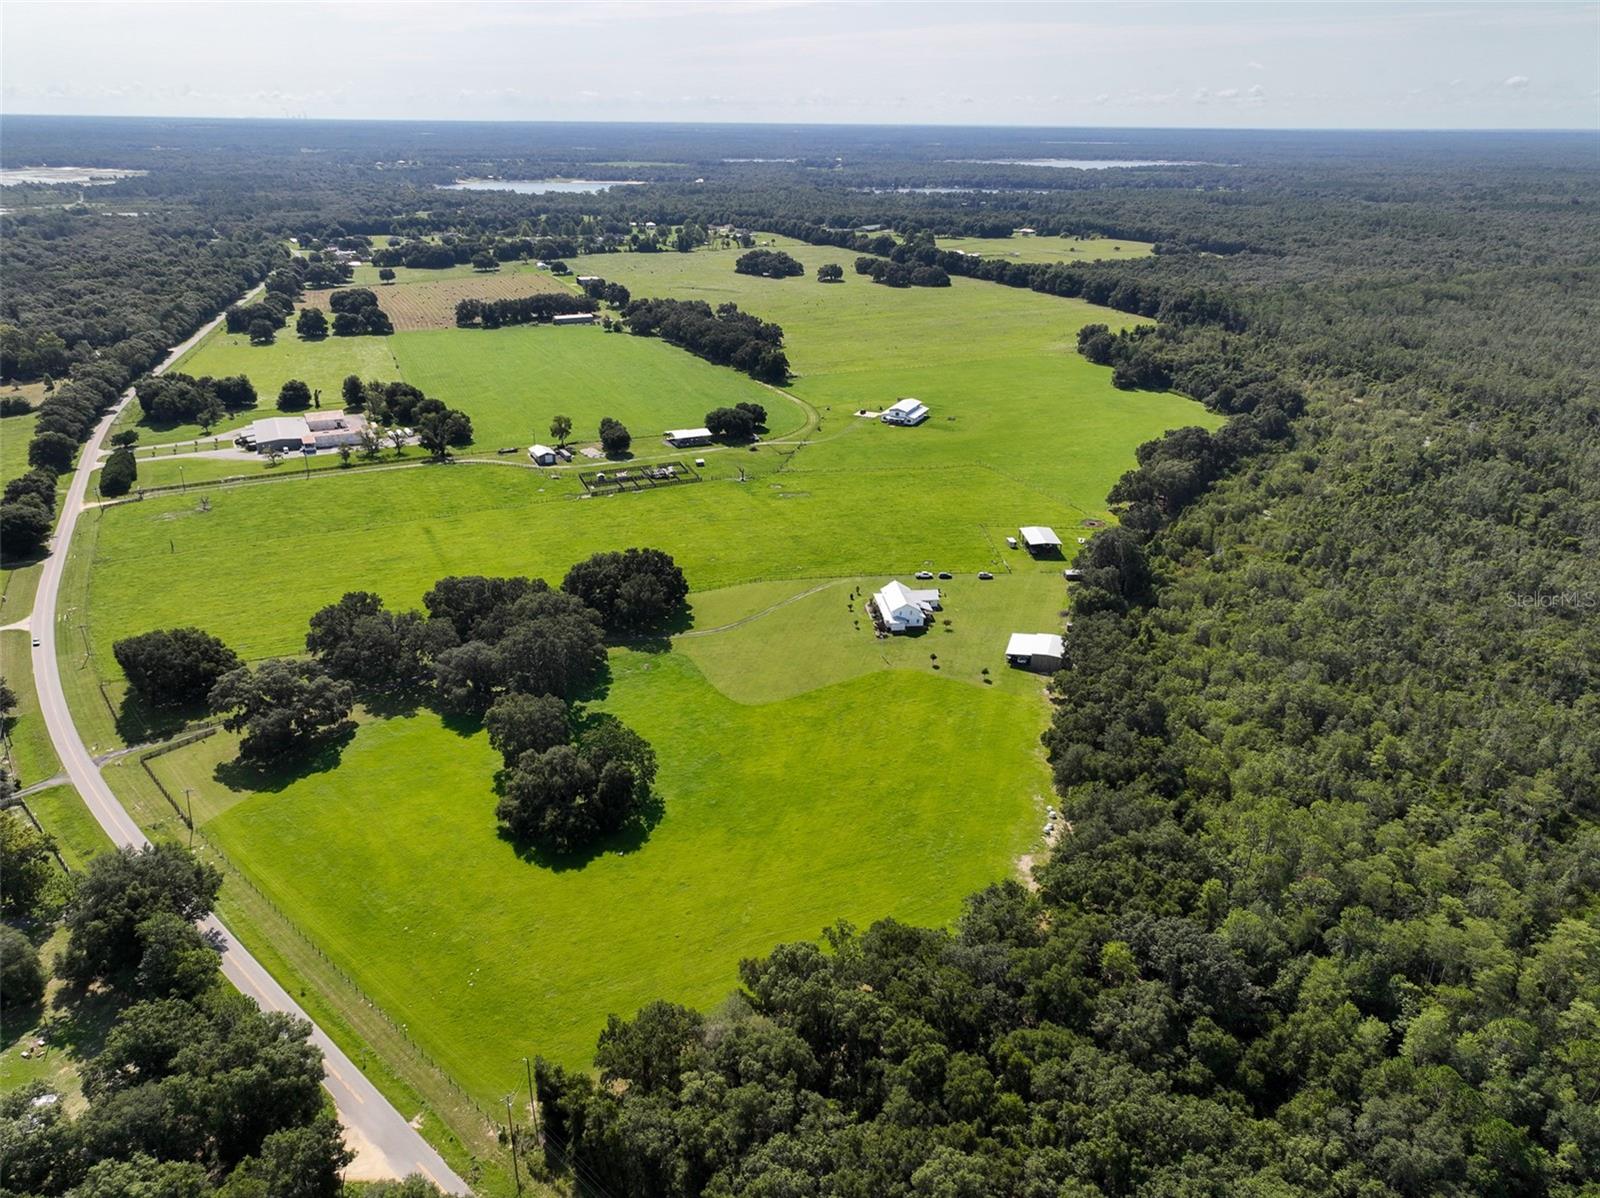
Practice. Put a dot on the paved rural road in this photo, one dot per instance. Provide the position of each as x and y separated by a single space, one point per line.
384 1143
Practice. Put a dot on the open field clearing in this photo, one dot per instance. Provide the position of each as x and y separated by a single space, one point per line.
510 381
498 958
321 365
1049 249
397 531
431 303
33 757
62 814
776 761
15 433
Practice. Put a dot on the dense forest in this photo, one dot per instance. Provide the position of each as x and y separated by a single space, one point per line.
1327 918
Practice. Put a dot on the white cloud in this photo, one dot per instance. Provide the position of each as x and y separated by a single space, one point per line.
1518 81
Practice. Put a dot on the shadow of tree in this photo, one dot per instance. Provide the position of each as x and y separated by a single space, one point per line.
272 777
629 838
78 1020
139 722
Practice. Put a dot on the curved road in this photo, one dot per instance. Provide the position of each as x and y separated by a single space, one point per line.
384 1143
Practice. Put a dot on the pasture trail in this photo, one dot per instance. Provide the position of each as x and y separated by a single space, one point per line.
765 611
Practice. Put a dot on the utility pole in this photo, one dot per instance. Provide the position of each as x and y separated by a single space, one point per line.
188 799
511 1123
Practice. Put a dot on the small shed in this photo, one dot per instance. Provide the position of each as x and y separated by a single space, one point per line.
1041 652
1039 540
542 455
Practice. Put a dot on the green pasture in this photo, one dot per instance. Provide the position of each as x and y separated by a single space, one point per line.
810 771
394 532
61 812
33 757
510 381
1050 249
825 626
321 365
488 957
15 434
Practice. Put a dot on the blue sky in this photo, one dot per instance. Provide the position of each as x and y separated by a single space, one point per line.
1280 65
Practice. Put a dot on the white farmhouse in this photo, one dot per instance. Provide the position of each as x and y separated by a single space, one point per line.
901 609
906 411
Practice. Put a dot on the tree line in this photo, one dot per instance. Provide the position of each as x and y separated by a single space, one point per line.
1322 922
541 308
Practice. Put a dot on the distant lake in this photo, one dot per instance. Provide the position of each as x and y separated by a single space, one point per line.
79 175
538 187
1082 164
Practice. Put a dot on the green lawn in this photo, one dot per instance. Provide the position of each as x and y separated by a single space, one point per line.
489 957
1049 249
811 772
510 381
61 812
322 365
15 434
33 756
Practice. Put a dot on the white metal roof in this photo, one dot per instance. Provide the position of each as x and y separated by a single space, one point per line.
280 428
907 405
895 595
1038 534
541 451
687 434
1034 644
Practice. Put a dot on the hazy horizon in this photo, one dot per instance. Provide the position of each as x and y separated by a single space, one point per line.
1313 67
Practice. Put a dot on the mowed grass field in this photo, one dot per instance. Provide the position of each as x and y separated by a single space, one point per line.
1049 249
782 818
510 381
791 798
15 434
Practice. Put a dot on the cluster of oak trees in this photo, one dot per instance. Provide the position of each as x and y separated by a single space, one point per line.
513 651
738 423
725 336
769 264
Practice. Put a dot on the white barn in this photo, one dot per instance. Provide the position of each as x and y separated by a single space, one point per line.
541 455
901 608
906 411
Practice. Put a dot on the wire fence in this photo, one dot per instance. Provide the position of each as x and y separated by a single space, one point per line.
356 992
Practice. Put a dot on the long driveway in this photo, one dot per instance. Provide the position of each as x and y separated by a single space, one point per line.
384 1143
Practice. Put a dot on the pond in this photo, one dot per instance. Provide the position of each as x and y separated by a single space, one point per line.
536 187
1083 164
78 175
